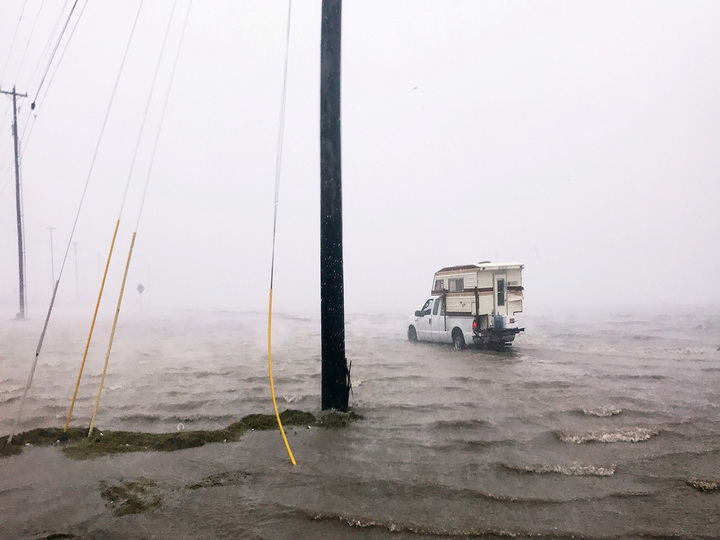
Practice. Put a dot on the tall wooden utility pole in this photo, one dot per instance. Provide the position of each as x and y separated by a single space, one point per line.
335 372
18 204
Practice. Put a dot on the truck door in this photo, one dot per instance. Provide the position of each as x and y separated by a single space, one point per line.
424 321
500 293
438 321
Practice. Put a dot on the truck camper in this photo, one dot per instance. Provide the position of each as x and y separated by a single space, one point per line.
473 304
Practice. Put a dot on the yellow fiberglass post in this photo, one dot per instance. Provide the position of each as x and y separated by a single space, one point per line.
272 383
92 328
272 260
112 336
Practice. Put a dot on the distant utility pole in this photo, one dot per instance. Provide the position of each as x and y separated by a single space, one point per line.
52 256
18 203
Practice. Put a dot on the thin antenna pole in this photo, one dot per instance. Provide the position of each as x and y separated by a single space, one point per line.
335 373
18 204
52 255
77 289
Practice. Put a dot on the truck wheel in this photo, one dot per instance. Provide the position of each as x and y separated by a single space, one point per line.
458 340
412 334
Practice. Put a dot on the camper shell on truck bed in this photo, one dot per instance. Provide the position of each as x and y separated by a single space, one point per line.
474 303
481 289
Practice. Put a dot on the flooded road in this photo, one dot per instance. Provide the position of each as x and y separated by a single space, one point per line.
599 429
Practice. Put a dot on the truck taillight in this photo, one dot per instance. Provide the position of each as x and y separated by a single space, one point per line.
474 325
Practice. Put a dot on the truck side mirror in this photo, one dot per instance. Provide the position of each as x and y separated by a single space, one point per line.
418 313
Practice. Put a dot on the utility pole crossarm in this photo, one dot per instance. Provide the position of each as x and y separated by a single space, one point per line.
13 93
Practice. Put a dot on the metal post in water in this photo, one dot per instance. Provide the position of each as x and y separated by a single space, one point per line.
335 373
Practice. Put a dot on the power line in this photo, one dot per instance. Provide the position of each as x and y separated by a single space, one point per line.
27 44
34 105
12 45
52 56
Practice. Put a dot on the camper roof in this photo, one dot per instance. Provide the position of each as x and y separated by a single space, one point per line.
483 265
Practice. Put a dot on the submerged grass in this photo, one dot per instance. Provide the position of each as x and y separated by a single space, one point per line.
131 496
119 442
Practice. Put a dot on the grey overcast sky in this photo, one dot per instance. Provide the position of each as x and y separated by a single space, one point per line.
580 138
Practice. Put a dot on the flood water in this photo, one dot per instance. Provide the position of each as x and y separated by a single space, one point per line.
586 428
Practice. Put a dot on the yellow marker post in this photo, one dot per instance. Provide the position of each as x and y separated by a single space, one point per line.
272 383
112 336
92 328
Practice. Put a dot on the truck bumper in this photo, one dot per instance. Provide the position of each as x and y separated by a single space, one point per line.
495 337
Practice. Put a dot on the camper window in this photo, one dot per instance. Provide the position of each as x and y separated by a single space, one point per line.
456 285
438 285
501 292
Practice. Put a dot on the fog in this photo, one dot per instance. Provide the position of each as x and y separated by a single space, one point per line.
581 139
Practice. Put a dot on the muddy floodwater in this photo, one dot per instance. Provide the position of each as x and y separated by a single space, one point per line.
596 428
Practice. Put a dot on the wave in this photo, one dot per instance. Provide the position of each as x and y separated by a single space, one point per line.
459 424
567 470
425 530
602 412
628 376
631 435
473 445
548 384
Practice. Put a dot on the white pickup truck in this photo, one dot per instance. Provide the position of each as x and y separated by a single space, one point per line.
471 304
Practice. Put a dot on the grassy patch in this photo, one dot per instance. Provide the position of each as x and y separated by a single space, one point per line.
7 450
119 442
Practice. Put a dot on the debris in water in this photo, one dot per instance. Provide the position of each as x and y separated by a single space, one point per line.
337 419
704 485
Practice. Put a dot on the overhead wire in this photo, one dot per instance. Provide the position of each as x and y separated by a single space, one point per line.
34 106
27 44
23 138
2 79
72 232
12 44
278 168
49 41
52 56
140 210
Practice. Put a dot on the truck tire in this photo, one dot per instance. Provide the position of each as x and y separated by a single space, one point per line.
458 340
412 334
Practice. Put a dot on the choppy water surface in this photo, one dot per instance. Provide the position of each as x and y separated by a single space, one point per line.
604 429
